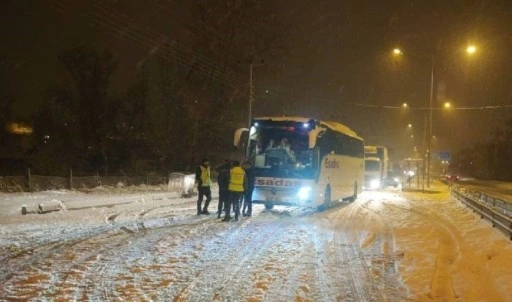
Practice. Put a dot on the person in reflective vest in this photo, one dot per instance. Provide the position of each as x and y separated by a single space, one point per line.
203 182
236 188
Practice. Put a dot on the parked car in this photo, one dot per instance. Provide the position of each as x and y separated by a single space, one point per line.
452 177
392 180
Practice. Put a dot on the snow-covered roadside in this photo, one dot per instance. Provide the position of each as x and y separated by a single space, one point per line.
84 211
450 253
87 204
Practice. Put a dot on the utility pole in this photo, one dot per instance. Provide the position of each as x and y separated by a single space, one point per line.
251 96
251 89
431 104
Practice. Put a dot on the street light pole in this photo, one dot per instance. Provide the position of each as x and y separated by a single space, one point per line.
251 90
471 49
250 94
430 122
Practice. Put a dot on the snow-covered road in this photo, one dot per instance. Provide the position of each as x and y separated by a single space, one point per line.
146 244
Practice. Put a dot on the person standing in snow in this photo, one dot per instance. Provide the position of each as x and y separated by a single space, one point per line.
249 175
223 182
203 182
237 184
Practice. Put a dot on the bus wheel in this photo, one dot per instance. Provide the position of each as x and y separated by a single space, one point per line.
354 197
268 206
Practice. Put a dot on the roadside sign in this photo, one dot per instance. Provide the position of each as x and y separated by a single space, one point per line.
444 155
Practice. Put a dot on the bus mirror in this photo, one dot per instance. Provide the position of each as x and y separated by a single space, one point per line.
241 136
313 135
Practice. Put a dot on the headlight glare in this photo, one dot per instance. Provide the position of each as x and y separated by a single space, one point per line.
375 183
304 193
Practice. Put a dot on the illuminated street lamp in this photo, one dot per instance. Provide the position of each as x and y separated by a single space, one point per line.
471 49
428 129
447 105
405 105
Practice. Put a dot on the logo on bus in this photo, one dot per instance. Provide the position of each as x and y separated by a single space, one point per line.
278 182
332 164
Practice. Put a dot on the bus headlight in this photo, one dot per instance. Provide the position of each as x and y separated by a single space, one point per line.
304 193
375 184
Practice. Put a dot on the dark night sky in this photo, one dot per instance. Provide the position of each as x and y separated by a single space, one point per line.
337 60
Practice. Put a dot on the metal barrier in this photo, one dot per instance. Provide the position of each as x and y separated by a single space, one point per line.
32 183
498 211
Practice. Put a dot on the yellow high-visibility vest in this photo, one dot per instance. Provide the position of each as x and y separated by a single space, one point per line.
205 176
236 179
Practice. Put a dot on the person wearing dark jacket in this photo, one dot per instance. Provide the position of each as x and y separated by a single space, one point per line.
249 175
203 182
223 182
237 183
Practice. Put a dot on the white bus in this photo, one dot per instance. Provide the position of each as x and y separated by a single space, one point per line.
302 161
376 176
372 173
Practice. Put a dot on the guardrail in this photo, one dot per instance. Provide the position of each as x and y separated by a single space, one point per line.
498 211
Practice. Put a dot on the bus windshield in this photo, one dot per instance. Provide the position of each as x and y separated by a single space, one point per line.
372 165
281 147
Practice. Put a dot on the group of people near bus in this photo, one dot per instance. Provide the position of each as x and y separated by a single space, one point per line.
236 185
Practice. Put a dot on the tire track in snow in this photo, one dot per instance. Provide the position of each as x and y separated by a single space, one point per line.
348 250
242 245
180 291
369 239
268 257
48 263
102 275
441 282
451 248
246 246
330 267
379 247
251 267
60 264
286 262
28 257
